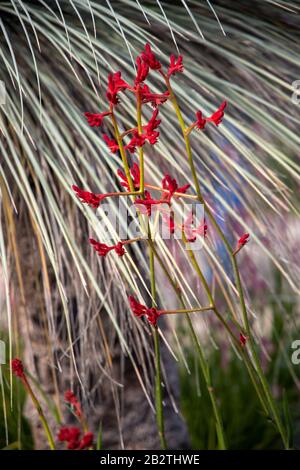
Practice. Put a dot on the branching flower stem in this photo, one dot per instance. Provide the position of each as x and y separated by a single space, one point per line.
265 385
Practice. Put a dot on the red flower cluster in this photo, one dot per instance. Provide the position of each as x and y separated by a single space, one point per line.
149 58
140 310
17 368
71 398
71 435
216 117
135 175
103 249
86 197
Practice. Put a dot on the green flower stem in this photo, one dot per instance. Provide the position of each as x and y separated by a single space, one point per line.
259 370
141 151
38 407
158 387
202 360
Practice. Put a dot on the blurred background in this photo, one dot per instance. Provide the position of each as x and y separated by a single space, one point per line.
63 310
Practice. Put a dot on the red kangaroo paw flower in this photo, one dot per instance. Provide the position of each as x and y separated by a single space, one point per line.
149 57
115 85
175 65
142 71
216 117
145 204
140 310
86 197
95 120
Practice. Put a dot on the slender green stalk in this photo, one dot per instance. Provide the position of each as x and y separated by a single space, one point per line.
38 407
141 150
158 387
259 370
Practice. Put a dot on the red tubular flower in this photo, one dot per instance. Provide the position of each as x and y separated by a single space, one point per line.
142 71
71 398
243 339
150 59
171 185
155 99
217 117
135 175
95 120
86 441
175 65
17 367
140 310
115 85
103 249
111 143
86 197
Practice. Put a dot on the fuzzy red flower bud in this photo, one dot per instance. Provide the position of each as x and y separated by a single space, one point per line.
111 144
149 57
89 198
175 65
243 240
71 398
95 120
17 367
243 339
